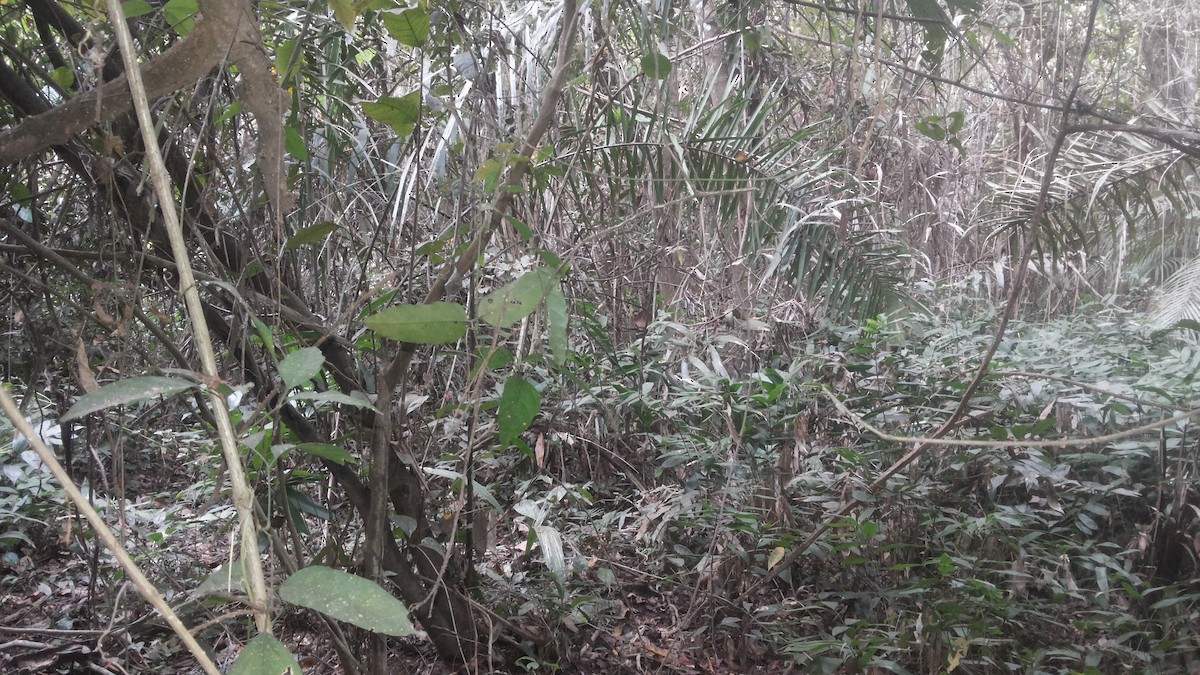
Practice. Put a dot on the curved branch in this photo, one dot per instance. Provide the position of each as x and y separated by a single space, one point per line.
182 64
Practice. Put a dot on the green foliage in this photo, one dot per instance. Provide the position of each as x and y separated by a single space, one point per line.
693 448
301 366
512 302
348 598
313 234
435 323
264 655
656 65
519 404
128 390
400 113
1006 558
410 27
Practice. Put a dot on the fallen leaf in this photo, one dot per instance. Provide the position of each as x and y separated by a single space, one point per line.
87 378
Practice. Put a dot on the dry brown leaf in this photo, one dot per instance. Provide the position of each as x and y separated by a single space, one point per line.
87 378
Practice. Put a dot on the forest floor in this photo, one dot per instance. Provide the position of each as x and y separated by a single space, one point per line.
66 609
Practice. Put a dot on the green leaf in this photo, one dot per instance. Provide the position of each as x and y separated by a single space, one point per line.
523 229
509 304
489 173
930 128
298 501
64 77
401 114
656 65
957 120
348 598
934 23
313 234
19 193
129 390
294 143
264 334
301 366
333 453
1187 324
225 579
437 323
495 359
230 111
181 15
519 404
264 655
136 8
556 311
409 27
284 56
345 12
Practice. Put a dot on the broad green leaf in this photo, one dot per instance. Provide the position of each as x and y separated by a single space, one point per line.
401 114
489 173
1187 324
313 234
301 502
129 390
512 302
285 67
519 404
345 12
301 366
495 359
373 306
656 65
225 579
957 120
930 128
523 229
264 655
357 399
333 453
556 311
348 598
437 323
136 8
934 23
409 27
230 111
294 143
431 249
181 15
264 334
63 77
19 192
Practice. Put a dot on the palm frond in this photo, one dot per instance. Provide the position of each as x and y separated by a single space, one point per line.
1178 298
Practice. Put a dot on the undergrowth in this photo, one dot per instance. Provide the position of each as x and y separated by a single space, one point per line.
663 478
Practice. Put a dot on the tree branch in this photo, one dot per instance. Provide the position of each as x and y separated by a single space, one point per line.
182 64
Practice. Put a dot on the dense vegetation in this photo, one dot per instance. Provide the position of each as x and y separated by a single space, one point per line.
628 337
